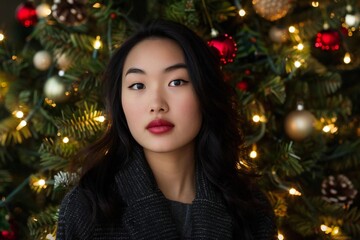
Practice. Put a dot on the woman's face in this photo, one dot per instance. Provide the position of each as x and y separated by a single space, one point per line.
159 101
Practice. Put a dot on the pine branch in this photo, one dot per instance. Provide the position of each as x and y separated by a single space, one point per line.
44 223
8 133
82 124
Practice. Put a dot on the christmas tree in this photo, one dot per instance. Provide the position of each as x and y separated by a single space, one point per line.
294 65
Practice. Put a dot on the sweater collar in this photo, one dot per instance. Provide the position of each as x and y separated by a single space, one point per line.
135 180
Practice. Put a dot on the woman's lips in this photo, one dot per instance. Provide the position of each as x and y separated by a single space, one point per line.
159 126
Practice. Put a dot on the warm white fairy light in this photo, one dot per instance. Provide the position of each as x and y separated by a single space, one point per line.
97 5
300 46
22 124
280 236
2 37
97 43
292 29
294 192
66 140
19 114
256 118
242 12
253 154
297 64
315 3
50 236
40 183
347 58
100 119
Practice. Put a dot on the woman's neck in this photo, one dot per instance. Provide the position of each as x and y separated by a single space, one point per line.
174 173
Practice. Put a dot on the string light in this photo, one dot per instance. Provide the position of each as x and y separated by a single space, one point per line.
50 236
100 119
40 183
253 153
294 192
297 64
300 46
22 124
97 5
19 114
256 118
2 37
315 4
347 58
242 12
66 140
280 236
97 43
292 29
330 230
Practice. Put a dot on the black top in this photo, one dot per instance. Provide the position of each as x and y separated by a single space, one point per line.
181 213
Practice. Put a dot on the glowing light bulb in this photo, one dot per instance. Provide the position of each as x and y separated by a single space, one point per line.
347 58
324 228
297 64
97 43
292 29
41 183
100 119
315 3
19 114
66 140
300 46
293 191
326 128
242 12
97 5
256 118
22 124
280 236
2 37
253 154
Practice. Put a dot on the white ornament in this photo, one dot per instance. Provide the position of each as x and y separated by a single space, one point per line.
352 20
55 89
42 60
43 10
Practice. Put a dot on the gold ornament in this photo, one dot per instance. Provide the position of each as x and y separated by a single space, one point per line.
278 34
272 10
299 124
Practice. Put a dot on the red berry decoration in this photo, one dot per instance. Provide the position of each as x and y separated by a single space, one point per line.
26 14
225 46
243 86
328 40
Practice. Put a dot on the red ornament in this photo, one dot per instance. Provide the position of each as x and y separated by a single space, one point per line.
7 235
26 14
243 86
328 40
225 46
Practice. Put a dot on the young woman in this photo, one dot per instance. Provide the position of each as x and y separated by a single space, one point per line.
166 166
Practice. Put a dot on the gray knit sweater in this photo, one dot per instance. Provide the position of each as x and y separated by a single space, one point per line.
146 212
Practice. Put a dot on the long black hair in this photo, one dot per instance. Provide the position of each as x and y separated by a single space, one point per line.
218 142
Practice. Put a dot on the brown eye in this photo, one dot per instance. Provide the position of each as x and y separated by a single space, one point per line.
177 82
137 86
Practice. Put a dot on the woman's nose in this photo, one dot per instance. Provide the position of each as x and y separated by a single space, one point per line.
158 102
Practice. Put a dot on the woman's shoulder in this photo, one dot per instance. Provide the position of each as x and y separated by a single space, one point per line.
75 216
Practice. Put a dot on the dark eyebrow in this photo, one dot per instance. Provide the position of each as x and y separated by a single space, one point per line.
168 69
175 66
134 70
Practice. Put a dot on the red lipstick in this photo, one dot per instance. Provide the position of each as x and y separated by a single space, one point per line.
159 126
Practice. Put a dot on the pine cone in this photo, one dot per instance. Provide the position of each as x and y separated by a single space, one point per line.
338 189
69 12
